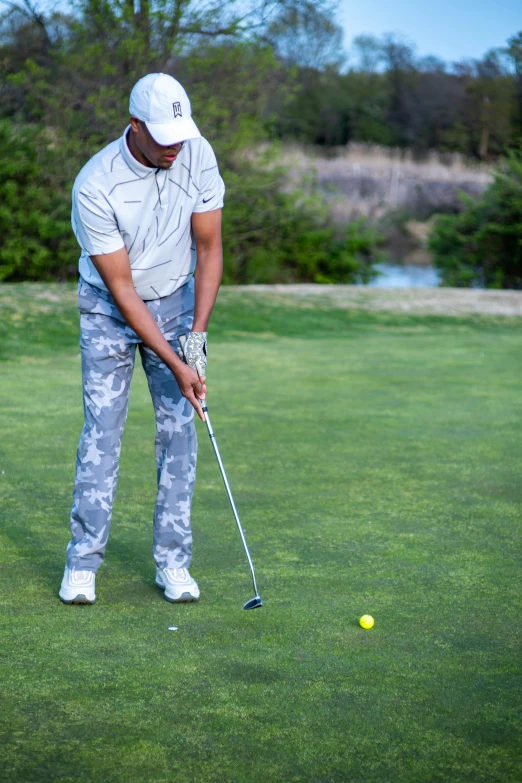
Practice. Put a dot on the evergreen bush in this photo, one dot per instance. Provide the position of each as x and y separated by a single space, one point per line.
482 246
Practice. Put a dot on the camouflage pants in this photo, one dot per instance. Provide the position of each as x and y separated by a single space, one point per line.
108 347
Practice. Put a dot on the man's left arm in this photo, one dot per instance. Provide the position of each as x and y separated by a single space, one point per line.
206 230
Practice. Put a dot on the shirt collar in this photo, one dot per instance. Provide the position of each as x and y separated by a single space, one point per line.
136 167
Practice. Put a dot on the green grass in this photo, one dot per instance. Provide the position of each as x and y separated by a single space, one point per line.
376 463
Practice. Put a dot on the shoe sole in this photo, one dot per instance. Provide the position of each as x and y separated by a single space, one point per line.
185 598
78 599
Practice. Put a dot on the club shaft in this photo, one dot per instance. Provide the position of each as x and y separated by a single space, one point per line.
229 492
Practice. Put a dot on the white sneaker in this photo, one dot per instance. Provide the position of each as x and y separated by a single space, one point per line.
178 584
77 587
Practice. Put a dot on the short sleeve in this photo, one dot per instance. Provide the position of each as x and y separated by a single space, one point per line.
211 186
94 224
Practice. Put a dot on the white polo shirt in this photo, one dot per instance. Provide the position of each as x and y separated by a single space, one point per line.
117 202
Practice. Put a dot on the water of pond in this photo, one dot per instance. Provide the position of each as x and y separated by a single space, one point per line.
405 276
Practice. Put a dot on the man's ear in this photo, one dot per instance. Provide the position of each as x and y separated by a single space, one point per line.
135 124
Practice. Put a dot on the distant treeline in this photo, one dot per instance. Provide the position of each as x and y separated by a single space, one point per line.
255 70
265 68
391 97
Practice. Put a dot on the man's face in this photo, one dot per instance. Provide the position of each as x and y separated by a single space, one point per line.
153 154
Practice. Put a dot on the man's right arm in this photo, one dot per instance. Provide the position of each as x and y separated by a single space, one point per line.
115 271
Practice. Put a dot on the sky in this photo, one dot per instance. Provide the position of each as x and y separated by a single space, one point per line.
449 29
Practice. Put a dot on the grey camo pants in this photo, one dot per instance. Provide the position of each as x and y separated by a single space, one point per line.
108 347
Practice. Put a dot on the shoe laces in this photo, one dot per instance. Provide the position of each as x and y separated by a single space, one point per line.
80 576
178 573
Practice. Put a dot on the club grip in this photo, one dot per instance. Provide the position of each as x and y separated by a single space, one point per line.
182 342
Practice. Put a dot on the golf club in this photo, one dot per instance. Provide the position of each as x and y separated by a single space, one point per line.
255 602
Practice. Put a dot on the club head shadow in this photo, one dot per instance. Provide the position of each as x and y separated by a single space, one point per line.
254 603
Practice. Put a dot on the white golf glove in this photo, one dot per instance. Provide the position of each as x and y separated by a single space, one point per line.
196 352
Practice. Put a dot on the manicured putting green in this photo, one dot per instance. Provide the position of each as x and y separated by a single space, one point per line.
375 461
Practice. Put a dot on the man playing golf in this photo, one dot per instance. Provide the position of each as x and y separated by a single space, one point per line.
146 211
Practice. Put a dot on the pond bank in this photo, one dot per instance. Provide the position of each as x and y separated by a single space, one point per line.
51 297
435 301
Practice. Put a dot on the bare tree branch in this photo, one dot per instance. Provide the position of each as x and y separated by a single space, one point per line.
231 30
30 11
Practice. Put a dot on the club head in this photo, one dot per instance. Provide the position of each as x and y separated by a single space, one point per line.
254 603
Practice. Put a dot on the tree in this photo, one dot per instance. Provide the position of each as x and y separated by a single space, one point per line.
482 246
83 82
305 34
514 53
367 50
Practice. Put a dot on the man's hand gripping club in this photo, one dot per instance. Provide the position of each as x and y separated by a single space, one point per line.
193 351
191 386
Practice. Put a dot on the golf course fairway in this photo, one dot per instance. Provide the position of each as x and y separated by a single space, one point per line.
375 460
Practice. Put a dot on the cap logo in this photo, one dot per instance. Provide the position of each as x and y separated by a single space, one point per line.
177 109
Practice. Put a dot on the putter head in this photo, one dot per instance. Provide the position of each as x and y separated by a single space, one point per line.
254 603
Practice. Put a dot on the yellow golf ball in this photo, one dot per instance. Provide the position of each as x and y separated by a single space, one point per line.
366 621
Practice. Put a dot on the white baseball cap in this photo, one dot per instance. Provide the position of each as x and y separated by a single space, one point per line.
163 105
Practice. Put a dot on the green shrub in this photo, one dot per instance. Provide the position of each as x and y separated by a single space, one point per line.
274 236
36 241
269 235
482 246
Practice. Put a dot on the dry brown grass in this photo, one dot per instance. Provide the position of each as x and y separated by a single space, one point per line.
363 180
425 301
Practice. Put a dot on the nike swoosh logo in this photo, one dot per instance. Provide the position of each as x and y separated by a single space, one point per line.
207 199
